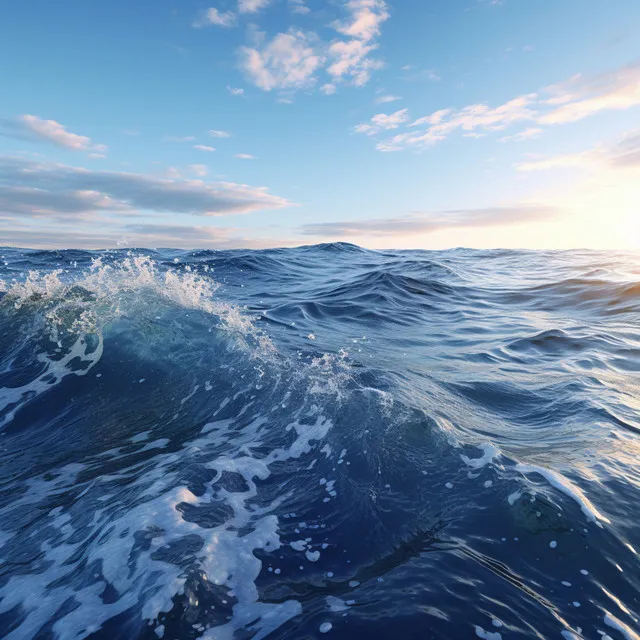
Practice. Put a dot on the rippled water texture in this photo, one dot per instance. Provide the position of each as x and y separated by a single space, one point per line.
322 440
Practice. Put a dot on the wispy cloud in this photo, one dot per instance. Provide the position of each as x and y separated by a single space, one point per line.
474 119
29 188
34 129
622 154
109 234
235 91
387 98
213 16
431 222
204 147
581 97
565 102
244 156
383 122
215 133
328 89
179 138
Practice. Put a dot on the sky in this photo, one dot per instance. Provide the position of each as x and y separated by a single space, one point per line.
423 124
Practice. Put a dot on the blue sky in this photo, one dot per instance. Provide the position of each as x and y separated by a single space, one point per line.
406 123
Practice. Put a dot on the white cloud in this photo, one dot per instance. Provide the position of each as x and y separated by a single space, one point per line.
212 16
203 147
179 138
328 89
244 156
34 129
235 91
289 61
42 189
350 58
580 97
365 19
387 98
442 123
383 121
575 99
251 6
215 133
481 116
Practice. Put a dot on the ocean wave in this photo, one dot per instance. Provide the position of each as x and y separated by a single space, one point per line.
248 444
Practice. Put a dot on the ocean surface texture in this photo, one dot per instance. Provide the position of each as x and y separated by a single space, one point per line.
319 442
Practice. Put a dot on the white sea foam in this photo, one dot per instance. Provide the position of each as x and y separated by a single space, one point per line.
72 308
143 575
490 453
568 488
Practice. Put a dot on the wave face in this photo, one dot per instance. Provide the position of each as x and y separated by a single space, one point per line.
292 442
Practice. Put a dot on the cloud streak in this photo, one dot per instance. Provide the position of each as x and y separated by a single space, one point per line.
34 129
431 222
581 97
108 235
622 154
36 189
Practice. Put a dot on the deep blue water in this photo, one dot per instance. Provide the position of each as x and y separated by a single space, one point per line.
367 444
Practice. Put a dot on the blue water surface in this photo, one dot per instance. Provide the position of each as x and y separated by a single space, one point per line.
320 440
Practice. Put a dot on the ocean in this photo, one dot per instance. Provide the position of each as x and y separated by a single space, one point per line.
323 441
